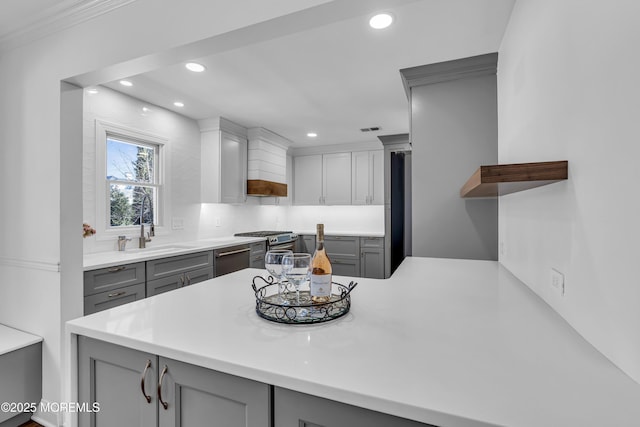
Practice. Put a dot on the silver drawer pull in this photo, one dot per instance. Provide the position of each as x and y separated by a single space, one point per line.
144 374
164 404
114 269
232 252
116 294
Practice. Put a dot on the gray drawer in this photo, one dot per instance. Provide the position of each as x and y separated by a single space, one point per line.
118 276
113 298
345 266
371 242
165 267
258 247
342 246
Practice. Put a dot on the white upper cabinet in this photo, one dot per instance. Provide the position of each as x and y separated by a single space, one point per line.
367 177
322 179
307 180
336 179
223 161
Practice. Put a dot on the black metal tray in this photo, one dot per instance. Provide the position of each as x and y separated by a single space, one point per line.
285 309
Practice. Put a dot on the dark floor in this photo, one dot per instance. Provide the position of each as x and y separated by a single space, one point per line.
30 424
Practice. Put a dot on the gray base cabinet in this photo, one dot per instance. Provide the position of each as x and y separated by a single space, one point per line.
20 381
118 379
372 257
257 253
139 389
344 253
112 286
353 256
201 397
302 410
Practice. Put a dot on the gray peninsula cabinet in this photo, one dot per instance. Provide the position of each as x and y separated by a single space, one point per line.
135 388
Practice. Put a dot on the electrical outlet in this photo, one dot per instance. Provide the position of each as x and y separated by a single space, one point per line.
557 281
218 222
177 223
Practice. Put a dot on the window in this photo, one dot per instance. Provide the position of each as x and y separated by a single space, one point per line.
132 176
129 178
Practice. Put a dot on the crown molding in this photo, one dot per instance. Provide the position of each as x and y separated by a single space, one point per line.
65 15
472 66
335 148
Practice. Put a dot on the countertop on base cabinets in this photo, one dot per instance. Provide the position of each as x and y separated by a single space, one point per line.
13 339
453 343
109 258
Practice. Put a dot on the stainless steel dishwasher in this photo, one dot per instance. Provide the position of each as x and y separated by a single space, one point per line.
228 260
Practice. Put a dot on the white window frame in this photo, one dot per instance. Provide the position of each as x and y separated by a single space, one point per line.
106 130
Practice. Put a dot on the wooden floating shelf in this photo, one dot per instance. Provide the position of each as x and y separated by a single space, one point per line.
497 180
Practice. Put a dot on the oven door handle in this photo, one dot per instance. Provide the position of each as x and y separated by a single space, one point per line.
286 246
232 252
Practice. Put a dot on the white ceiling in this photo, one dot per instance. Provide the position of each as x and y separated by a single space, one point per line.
332 79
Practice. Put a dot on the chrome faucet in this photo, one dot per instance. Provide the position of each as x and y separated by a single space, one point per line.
122 243
142 240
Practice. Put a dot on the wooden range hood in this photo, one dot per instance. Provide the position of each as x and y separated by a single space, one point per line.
260 187
267 163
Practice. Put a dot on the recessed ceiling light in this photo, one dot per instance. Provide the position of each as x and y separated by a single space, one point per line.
92 91
195 67
126 83
178 104
312 134
380 21
145 109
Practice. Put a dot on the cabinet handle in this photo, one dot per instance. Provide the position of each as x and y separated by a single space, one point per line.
144 374
165 405
182 280
116 294
232 252
188 280
115 269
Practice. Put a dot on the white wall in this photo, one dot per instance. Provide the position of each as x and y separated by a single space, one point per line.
31 216
453 132
181 164
568 89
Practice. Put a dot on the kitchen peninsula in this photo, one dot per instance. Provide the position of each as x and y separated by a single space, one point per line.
450 343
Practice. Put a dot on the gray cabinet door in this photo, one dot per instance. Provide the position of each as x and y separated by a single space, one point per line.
372 257
113 377
293 409
114 277
307 244
197 396
345 266
113 298
258 251
372 263
170 283
176 265
342 246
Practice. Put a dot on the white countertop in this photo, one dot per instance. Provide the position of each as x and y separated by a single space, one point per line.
343 233
13 339
454 343
110 258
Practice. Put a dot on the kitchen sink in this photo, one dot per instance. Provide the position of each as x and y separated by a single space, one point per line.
160 249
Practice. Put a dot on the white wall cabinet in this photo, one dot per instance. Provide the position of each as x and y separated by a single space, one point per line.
367 177
322 179
223 161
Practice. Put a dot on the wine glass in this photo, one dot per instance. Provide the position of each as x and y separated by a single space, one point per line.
273 264
296 270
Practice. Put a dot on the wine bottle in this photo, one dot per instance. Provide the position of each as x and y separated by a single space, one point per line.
320 270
